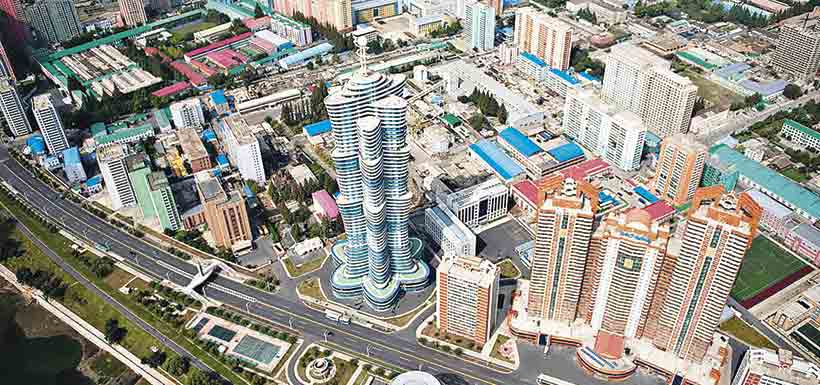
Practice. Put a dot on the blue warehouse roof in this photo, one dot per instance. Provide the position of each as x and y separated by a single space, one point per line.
646 195
500 162
318 128
768 179
519 141
565 76
219 97
222 160
566 152
93 181
71 155
534 59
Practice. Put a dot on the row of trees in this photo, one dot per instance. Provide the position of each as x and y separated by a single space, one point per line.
712 12
586 14
488 105
582 62
340 41
51 285
449 29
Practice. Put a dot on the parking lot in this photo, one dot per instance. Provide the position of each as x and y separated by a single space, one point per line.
500 241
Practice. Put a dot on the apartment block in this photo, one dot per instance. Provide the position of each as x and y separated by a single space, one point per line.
479 26
112 162
225 213
679 169
797 52
187 113
132 12
762 366
467 297
546 37
54 20
243 148
49 122
446 230
12 108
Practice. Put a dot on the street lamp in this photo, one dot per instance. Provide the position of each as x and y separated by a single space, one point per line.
368 347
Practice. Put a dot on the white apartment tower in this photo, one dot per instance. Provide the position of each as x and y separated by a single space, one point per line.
479 25
797 52
562 239
243 148
114 170
467 297
49 122
636 80
719 229
6 69
617 136
132 12
12 108
187 113
546 37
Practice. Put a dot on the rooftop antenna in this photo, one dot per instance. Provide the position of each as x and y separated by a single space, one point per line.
361 43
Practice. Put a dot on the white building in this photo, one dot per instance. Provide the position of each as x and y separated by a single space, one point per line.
481 203
479 26
761 366
617 136
800 135
187 113
73 165
114 170
453 236
546 37
243 149
467 297
12 108
637 80
49 122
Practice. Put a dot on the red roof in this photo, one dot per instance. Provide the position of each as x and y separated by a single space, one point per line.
173 89
256 24
219 44
185 69
585 169
609 345
659 210
528 190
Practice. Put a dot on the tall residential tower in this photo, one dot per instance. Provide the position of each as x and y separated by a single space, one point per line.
679 169
12 108
132 12
797 51
49 122
546 37
479 25
54 20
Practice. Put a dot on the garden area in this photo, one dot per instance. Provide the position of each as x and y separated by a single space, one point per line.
745 333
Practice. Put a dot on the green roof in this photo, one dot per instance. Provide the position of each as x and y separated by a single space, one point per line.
695 59
451 119
98 129
772 182
124 134
799 127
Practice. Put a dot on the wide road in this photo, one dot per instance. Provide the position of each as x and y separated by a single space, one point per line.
391 348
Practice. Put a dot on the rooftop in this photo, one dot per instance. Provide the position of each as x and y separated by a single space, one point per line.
476 193
782 366
770 205
191 143
318 128
768 179
496 159
209 187
519 141
566 152
528 190
476 270
327 203
801 128
71 155
534 59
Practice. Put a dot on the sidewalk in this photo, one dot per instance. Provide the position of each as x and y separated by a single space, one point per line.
90 333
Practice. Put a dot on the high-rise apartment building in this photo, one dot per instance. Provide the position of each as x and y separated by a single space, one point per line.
467 297
163 202
797 52
16 18
764 367
479 25
242 147
114 170
187 113
497 6
636 80
617 136
12 108
6 70
49 122
132 12
225 213
562 238
719 229
369 121
546 37
679 169
54 20
339 13
627 253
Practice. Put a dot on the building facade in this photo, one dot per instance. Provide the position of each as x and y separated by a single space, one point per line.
797 52
638 81
243 149
761 366
544 36
479 25
187 113
719 229
467 297
800 135
163 202
453 236
679 169
481 203
49 122
617 136
194 150
54 21
562 239
378 259
225 213
6 69
132 12
112 163
12 108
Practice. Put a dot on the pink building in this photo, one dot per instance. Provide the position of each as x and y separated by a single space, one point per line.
324 205
804 239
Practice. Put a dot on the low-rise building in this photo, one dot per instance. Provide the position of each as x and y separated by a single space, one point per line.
422 26
193 149
73 165
804 239
481 203
324 206
761 366
775 215
800 135
536 161
453 236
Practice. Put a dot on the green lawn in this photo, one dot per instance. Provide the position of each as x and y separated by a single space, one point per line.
714 93
795 175
310 266
191 28
736 327
765 264
508 269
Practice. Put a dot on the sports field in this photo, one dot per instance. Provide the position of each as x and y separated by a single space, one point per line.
765 264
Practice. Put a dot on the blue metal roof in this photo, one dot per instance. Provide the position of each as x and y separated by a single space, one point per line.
645 194
534 59
765 89
566 152
318 128
222 160
732 71
564 76
93 181
208 135
588 76
519 141
36 144
71 155
218 97
500 162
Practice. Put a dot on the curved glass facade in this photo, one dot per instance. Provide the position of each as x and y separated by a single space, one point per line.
378 259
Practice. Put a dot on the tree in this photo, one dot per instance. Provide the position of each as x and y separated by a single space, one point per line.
178 366
198 377
502 114
477 121
257 11
792 91
113 332
154 360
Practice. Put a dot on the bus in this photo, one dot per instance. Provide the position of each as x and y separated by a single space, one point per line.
337 317
544 379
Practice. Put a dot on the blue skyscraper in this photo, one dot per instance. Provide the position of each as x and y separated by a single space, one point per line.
378 259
